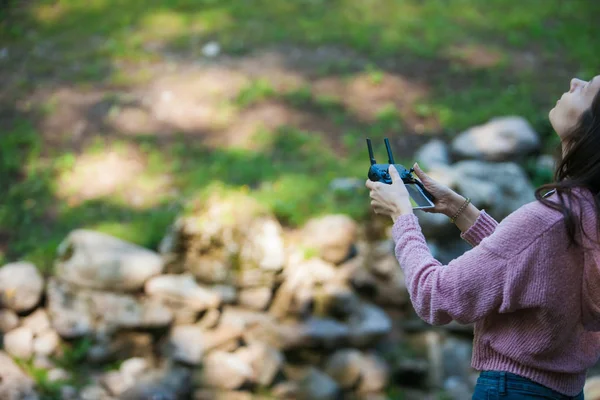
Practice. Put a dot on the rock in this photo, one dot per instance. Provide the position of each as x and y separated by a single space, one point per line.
68 392
456 356
182 315
75 313
316 270
94 392
294 295
131 371
436 225
500 139
14 383
500 188
264 360
190 343
58 374
316 385
19 343
331 237
134 368
223 370
183 291
211 49
255 298
287 390
335 300
43 362
370 324
215 241
435 152
9 320
381 281
243 319
46 343
115 382
383 396
165 383
591 390
324 332
96 260
210 319
21 286
227 293
344 366
383 260
264 248
260 327
374 373
210 394
122 345
546 163
254 277
187 343
457 389
37 321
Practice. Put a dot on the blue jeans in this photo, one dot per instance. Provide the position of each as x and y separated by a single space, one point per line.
494 385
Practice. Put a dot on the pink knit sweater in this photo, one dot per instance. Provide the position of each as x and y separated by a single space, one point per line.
534 301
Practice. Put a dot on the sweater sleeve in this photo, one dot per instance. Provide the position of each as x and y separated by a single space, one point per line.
483 227
465 290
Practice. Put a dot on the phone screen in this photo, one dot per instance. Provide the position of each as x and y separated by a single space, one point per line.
417 197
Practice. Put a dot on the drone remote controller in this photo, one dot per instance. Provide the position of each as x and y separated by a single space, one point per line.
380 173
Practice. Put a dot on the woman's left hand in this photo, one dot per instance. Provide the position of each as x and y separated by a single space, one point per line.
392 200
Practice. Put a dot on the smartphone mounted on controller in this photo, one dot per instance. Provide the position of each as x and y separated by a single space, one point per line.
420 198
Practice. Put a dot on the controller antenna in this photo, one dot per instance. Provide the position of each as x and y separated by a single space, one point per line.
371 156
389 151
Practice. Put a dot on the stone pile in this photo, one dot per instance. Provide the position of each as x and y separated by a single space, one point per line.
231 306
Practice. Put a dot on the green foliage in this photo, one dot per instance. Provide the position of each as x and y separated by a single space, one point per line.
256 91
375 74
46 389
395 393
71 360
73 354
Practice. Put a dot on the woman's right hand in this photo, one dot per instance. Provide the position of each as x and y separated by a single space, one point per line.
446 202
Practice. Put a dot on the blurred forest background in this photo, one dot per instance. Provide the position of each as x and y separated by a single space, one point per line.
113 113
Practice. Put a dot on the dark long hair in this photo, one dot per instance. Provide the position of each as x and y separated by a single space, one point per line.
579 167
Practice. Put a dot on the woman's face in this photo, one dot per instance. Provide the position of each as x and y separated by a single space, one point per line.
572 104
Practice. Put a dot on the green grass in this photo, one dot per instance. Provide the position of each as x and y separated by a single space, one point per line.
289 169
290 172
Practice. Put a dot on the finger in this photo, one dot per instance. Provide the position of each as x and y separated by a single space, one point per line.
371 184
376 205
380 210
394 174
420 174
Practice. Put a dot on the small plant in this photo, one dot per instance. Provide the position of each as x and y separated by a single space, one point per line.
72 355
46 389
388 118
257 91
375 74
300 97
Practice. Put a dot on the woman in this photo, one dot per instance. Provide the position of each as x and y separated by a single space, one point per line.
530 284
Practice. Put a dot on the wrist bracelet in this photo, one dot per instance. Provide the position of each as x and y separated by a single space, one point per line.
460 210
